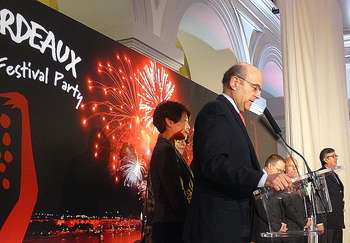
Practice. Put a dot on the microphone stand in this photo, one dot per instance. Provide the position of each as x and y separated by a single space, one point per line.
311 175
278 132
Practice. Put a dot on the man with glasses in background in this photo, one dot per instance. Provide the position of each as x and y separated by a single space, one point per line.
334 221
268 213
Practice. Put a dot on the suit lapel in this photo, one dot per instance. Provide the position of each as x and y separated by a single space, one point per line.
234 112
255 162
336 179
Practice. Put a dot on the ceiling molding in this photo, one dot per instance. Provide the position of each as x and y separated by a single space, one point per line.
152 53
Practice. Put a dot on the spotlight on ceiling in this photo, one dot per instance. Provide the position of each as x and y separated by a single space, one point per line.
275 10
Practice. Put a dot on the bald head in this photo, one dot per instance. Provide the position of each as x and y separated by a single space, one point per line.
240 69
243 83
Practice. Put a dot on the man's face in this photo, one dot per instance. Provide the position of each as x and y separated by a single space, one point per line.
331 160
278 167
248 88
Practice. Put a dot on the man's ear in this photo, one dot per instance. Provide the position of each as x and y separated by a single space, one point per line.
233 84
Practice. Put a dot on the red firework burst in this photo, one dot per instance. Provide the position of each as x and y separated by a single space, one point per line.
124 107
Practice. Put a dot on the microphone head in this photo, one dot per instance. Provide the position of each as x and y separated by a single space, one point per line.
272 122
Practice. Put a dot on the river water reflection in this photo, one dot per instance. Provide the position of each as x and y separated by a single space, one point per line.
127 237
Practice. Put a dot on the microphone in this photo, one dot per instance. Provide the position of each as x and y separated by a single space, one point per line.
272 122
278 132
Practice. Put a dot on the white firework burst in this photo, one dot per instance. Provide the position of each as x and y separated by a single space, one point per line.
157 88
133 171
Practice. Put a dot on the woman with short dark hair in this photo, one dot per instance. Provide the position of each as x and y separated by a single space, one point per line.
171 178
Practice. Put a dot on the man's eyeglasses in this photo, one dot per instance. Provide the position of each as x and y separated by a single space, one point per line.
278 169
256 87
334 156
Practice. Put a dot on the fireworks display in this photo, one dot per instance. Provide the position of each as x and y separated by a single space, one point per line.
156 89
124 101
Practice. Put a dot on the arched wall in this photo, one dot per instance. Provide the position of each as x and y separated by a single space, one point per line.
172 15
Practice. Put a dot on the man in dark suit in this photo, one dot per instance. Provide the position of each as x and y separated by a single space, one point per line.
333 221
268 213
225 166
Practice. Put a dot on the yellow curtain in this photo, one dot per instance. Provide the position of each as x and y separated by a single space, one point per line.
316 103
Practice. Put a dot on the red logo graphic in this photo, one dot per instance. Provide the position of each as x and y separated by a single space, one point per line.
18 181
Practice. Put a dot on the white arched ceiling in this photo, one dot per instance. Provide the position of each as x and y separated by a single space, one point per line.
203 23
176 11
273 79
206 44
270 62
162 17
248 29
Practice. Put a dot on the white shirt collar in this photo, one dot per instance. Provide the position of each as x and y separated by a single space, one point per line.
232 102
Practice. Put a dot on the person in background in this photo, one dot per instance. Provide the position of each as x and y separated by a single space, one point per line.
171 179
296 205
225 165
333 221
268 213
180 145
184 147
291 167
